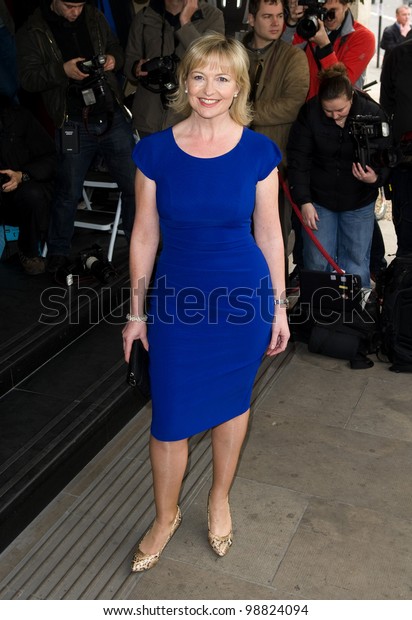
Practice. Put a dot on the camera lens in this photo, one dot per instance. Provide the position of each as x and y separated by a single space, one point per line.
307 27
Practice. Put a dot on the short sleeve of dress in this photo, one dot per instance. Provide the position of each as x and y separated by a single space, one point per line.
143 157
269 157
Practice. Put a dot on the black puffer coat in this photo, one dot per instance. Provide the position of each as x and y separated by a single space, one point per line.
320 156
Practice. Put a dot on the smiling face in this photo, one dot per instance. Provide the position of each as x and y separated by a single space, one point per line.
340 11
267 24
211 89
338 109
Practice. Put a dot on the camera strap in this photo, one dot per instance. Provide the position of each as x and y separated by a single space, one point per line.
313 237
314 56
256 81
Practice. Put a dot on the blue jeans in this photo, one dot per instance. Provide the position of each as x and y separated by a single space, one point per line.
116 145
347 237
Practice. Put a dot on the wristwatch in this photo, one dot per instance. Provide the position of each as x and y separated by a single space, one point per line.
25 177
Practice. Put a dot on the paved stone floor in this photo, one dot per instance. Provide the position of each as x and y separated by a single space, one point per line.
321 504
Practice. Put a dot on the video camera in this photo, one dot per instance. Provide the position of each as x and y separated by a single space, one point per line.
93 86
308 25
161 78
366 130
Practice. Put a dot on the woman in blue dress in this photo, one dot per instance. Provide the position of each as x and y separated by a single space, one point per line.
217 301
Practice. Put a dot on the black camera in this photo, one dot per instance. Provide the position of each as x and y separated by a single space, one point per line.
94 86
4 178
161 76
93 65
308 25
93 261
367 130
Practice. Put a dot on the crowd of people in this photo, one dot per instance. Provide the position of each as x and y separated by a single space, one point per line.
86 111
215 121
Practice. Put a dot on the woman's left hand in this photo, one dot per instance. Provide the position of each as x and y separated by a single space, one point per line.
280 333
366 176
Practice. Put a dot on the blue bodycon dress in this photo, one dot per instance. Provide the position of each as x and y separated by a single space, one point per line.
211 308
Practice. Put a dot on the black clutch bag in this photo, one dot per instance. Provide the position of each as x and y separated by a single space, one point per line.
138 369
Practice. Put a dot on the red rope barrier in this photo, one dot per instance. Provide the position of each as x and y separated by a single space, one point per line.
308 230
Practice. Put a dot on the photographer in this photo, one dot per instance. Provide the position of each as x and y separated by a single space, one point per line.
27 170
399 31
338 38
279 77
396 100
67 52
336 194
163 29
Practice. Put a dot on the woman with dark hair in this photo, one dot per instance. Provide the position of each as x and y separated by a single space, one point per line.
211 314
335 193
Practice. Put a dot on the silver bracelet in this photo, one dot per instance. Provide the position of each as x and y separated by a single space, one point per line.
136 317
282 302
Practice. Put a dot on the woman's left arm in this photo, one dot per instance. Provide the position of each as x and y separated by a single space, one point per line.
268 236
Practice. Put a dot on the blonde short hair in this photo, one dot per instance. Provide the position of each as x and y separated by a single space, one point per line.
232 57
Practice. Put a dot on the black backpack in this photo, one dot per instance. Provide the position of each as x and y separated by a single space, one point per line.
396 316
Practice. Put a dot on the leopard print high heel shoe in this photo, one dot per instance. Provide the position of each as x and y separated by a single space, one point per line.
144 561
219 544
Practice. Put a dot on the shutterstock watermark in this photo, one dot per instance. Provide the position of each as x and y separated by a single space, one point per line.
188 305
192 305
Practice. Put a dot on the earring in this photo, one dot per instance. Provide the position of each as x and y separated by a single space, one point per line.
235 95
186 91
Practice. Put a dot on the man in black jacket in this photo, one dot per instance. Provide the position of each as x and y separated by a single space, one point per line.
84 101
397 33
396 99
27 168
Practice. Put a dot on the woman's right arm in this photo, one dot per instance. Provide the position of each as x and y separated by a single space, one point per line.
143 247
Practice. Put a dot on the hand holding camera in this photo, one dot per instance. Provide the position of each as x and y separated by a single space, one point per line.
310 26
321 37
73 70
160 74
138 68
366 175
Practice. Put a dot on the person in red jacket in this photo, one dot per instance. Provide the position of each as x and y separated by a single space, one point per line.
339 38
